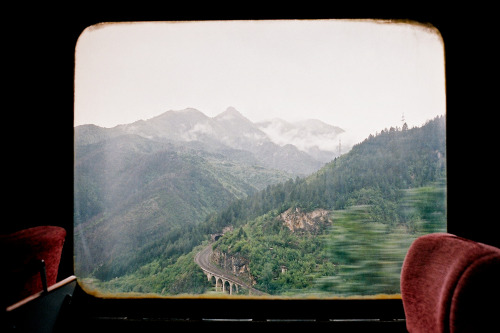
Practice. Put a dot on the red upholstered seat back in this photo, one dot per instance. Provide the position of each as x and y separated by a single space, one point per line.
20 250
450 284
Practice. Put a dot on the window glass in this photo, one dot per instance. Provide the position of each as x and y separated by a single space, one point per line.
289 158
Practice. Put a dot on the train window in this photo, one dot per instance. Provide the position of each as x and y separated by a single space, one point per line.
287 159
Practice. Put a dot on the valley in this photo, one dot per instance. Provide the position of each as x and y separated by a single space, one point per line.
148 195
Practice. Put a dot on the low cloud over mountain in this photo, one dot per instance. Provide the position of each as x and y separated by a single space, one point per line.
312 136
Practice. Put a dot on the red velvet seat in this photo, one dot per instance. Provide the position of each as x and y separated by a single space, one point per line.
21 253
451 284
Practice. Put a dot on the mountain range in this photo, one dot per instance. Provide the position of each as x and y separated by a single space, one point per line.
136 184
298 148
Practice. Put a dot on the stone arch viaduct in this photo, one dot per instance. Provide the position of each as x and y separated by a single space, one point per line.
202 259
223 280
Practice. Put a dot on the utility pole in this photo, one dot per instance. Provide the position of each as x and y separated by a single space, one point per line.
405 125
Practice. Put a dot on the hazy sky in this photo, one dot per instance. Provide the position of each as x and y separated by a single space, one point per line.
359 75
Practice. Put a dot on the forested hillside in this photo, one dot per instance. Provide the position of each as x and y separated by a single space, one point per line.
138 186
133 195
384 193
343 230
380 170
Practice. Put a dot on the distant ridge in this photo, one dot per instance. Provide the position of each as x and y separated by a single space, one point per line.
314 142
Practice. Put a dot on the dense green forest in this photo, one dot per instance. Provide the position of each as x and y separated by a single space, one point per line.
383 194
135 197
380 196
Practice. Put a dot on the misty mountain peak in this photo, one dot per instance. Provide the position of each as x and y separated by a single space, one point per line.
171 116
189 112
231 114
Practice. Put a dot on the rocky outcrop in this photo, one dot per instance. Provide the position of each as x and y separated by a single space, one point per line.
236 264
299 221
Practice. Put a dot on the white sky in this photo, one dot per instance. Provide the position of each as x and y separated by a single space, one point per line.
359 75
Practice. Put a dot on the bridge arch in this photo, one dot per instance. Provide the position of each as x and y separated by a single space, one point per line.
223 284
